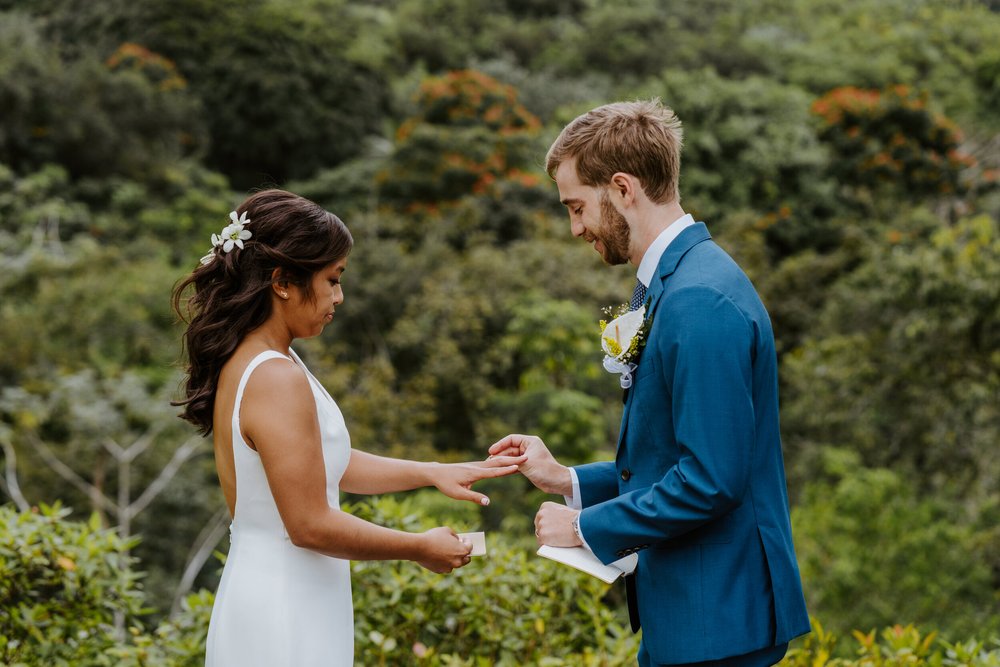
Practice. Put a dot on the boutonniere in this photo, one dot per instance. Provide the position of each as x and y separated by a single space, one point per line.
622 339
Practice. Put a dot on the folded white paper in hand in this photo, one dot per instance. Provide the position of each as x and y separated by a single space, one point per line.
585 561
477 540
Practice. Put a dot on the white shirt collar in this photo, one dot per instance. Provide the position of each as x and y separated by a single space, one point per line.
656 249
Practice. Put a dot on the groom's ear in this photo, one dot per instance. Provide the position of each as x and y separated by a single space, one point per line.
625 187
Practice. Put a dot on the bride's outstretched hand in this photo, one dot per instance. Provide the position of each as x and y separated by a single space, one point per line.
455 480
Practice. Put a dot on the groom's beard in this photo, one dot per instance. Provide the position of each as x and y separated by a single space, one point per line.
614 233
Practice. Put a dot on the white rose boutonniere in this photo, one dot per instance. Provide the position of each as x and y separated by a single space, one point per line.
622 338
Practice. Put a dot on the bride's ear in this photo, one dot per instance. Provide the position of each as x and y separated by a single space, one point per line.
279 284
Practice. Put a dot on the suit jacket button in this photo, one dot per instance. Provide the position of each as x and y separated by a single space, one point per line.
626 475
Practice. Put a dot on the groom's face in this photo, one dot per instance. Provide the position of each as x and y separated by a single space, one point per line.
592 216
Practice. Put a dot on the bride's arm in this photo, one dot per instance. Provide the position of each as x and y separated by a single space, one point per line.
368 474
278 418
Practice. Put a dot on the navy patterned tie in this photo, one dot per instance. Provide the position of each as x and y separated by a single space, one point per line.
638 294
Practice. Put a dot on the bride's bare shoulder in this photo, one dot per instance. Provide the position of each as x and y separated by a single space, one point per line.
272 377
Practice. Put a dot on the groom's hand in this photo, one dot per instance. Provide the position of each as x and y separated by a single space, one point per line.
540 467
554 526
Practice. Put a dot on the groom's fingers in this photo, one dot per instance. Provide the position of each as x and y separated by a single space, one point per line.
512 444
508 452
505 453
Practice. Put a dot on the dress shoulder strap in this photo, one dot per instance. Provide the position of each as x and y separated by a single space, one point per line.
254 363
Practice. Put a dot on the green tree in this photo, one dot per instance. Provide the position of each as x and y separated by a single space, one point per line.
750 145
284 92
903 364
127 117
874 551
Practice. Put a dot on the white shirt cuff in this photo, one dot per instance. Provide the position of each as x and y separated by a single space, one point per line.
574 502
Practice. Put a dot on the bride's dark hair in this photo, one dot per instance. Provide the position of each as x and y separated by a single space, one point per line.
232 295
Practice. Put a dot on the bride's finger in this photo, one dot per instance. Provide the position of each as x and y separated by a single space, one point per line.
487 473
501 461
460 491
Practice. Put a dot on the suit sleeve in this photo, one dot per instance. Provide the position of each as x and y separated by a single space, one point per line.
598 482
704 343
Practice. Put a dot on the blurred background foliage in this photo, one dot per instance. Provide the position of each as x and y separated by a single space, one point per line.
846 153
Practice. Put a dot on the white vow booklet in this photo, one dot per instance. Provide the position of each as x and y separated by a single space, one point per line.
585 561
477 540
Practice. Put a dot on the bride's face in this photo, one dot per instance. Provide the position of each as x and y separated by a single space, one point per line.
308 316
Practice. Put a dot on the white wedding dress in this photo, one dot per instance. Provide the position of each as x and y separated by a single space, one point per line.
279 605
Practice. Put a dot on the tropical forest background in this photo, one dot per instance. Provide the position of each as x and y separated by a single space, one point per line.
846 153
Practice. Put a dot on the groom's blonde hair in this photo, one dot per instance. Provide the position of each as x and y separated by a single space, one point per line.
642 138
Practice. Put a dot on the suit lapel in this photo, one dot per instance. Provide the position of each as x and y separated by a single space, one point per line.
671 258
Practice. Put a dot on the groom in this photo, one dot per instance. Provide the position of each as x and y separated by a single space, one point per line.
697 487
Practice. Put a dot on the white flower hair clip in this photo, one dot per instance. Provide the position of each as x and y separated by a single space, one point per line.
232 235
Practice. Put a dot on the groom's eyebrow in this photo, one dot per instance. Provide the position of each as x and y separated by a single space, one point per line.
569 201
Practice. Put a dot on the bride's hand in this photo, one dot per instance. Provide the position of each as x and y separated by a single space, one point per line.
443 551
455 480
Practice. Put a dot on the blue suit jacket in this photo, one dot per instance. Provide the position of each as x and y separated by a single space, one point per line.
698 484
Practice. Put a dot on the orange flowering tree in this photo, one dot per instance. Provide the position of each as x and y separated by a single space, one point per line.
159 70
468 134
892 138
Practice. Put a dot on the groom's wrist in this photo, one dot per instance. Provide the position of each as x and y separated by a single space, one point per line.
561 482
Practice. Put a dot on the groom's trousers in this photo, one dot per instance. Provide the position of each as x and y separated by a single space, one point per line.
633 602
762 658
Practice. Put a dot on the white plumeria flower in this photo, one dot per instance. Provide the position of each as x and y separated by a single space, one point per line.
232 236
235 234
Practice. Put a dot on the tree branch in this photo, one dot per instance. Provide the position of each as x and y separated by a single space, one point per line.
142 443
182 454
70 476
9 483
113 448
201 549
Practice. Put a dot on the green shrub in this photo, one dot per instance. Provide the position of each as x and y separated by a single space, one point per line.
507 608
63 583
895 646
63 586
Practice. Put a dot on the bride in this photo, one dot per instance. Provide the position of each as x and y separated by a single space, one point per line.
282 450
